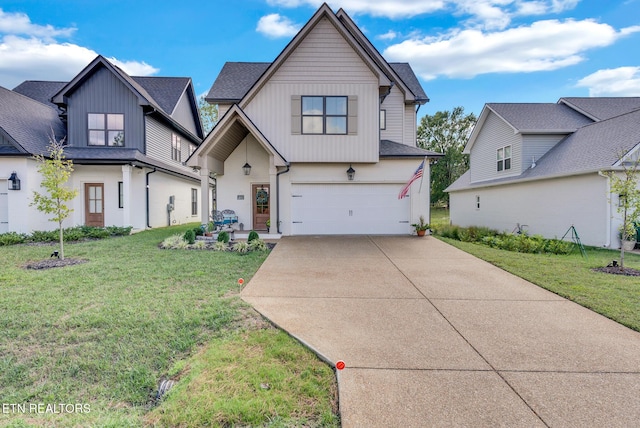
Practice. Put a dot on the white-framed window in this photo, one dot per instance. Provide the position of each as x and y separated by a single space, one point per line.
324 115
176 148
503 158
106 129
194 201
120 194
383 120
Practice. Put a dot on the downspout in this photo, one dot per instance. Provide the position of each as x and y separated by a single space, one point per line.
147 178
610 214
278 193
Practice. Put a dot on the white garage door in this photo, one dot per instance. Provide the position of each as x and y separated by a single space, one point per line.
356 209
4 207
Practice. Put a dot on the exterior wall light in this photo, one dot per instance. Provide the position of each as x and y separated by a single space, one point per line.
14 181
246 168
351 173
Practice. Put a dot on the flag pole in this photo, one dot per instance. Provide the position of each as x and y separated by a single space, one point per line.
422 178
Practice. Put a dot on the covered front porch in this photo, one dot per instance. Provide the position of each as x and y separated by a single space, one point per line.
244 167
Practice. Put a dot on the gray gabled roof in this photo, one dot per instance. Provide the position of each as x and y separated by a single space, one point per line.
391 149
405 72
602 108
166 91
40 90
594 147
235 80
28 123
539 117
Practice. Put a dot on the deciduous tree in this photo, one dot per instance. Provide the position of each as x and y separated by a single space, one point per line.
55 171
446 132
208 114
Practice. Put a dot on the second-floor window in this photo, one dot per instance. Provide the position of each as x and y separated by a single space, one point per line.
324 115
504 158
106 129
176 148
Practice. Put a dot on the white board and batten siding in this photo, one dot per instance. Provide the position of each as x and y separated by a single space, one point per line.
324 64
495 134
183 114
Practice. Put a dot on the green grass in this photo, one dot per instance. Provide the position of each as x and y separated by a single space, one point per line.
105 332
614 296
439 217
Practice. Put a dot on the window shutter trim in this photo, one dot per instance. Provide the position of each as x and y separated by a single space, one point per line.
352 120
296 114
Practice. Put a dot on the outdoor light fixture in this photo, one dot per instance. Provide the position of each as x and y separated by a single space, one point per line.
351 173
246 167
14 181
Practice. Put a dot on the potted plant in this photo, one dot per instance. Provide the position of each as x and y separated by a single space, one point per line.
421 227
628 236
210 228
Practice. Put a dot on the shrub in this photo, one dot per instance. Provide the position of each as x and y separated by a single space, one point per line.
241 247
12 238
223 237
119 231
73 234
199 245
253 235
199 231
258 245
220 246
172 242
44 236
190 237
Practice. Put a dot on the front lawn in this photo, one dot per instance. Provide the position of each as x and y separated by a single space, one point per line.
571 276
103 334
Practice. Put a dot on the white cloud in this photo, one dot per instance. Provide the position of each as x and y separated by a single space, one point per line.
388 8
389 35
613 82
541 46
275 25
34 52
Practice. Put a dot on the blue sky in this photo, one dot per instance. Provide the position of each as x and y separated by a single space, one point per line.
465 52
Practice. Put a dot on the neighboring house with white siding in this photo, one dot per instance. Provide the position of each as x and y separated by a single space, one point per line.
128 138
328 104
539 166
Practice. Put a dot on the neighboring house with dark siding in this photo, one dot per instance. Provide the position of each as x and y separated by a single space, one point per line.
128 138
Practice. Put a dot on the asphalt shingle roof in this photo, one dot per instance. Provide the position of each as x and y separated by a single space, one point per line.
166 91
540 116
390 149
40 90
235 80
28 122
603 108
405 72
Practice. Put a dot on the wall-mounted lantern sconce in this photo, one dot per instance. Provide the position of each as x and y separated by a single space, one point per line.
14 181
351 173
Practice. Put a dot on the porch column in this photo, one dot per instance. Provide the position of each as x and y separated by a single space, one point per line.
127 171
205 208
273 212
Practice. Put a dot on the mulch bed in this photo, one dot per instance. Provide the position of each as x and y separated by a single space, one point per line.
53 263
617 271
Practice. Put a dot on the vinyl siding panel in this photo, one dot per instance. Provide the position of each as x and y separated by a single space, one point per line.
534 146
394 105
104 93
495 134
184 114
410 125
546 207
323 64
159 144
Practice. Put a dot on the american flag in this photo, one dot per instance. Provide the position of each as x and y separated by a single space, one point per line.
414 177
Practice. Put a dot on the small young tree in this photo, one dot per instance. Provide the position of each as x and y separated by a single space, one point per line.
625 185
55 172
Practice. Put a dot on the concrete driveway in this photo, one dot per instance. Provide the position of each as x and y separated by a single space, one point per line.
432 336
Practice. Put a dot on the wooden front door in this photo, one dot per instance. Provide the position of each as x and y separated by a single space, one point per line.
94 204
261 203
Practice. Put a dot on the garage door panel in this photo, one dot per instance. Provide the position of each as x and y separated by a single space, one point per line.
349 209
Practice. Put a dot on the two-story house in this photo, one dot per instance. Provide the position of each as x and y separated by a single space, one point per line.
539 167
128 138
319 141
